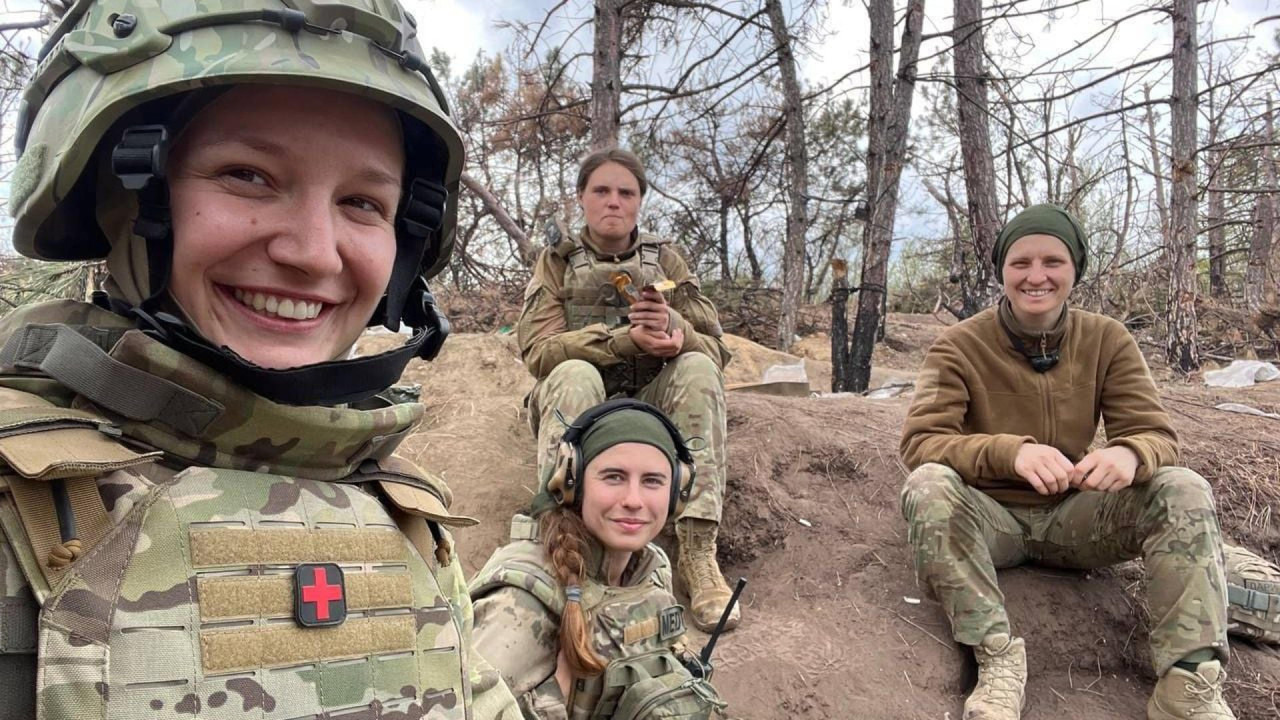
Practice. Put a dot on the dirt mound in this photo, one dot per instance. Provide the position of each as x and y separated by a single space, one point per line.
834 624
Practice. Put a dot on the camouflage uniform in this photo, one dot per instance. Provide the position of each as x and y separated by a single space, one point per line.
574 340
184 605
961 536
518 604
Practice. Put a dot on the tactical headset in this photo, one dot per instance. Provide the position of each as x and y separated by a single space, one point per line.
569 471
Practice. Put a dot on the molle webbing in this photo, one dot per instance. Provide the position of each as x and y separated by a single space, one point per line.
232 546
79 363
228 598
225 651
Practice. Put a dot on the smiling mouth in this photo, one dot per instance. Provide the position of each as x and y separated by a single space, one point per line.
274 306
1038 293
631 524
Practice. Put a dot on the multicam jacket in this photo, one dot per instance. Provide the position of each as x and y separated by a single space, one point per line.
572 311
208 529
518 603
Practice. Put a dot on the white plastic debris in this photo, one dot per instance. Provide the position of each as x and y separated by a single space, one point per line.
910 600
1246 410
786 373
804 522
1241 373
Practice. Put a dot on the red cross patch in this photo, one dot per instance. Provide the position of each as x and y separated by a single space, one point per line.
320 597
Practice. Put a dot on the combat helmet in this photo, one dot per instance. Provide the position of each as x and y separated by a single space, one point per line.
115 82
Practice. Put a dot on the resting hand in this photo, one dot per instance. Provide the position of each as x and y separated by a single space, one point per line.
1044 467
658 344
1106 470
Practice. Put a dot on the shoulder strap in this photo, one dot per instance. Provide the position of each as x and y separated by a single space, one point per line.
78 362
517 565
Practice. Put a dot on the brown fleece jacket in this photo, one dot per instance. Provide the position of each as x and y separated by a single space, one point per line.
978 400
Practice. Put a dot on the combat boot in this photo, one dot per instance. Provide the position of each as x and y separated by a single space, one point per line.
1002 679
700 574
1182 694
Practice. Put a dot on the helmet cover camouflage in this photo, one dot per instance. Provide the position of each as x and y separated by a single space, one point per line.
107 58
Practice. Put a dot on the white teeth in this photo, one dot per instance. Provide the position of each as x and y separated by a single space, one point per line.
280 307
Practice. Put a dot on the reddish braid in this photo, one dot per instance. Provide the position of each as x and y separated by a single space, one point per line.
564 537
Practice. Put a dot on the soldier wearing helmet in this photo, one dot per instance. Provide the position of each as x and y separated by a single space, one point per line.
596 325
577 612
201 507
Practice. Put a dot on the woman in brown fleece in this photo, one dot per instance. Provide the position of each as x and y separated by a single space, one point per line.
998 439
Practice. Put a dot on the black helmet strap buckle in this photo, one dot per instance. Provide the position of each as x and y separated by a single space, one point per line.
139 161
417 224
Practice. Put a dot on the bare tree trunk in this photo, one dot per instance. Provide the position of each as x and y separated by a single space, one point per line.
606 74
726 274
1260 280
797 179
1217 235
1157 167
887 149
975 143
839 323
505 221
1180 249
748 246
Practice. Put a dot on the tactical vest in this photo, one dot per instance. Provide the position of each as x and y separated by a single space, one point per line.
234 556
590 297
637 628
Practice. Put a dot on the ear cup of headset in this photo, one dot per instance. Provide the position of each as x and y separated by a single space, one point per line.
563 483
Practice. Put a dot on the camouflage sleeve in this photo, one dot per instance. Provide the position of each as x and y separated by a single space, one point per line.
491 699
544 338
1131 408
516 633
935 430
692 312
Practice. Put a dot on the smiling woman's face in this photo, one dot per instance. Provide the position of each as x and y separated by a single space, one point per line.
284 202
625 492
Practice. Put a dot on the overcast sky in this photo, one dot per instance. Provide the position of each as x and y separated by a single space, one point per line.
462 28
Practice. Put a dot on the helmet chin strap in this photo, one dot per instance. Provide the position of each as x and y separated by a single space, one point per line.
139 161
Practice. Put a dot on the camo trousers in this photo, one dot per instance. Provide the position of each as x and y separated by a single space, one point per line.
689 389
960 535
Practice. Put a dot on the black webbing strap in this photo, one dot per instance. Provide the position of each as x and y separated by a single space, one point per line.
81 365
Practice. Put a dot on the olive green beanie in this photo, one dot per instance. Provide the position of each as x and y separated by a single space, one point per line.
1043 219
627 426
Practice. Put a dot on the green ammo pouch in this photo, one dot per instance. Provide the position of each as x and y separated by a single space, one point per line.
1253 596
655 685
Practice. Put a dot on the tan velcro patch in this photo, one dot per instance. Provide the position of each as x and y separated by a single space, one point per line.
643 630
226 598
218 547
224 651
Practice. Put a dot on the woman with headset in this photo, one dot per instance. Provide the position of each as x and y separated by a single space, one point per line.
577 612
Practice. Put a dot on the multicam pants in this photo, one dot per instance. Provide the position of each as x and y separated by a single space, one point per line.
960 535
689 389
